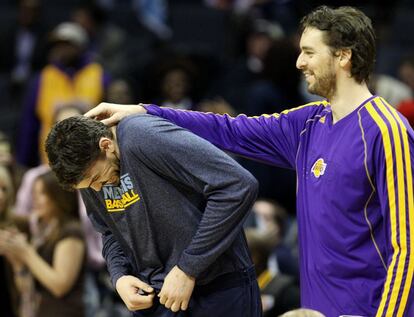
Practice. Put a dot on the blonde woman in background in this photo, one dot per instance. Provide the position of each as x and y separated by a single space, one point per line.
7 289
55 257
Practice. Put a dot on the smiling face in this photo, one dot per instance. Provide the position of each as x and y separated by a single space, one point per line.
317 63
103 171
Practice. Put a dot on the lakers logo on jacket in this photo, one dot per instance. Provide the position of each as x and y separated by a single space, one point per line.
318 168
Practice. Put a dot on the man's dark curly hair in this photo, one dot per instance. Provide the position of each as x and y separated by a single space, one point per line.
346 28
72 146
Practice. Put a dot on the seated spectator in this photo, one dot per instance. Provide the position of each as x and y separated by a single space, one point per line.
8 298
23 45
279 293
391 89
406 71
234 84
8 161
219 106
107 41
69 75
271 219
174 82
95 266
153 14
406 107
24 198
119 91
58 290
6 157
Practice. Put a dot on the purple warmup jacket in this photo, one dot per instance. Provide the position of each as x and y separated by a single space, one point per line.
355 203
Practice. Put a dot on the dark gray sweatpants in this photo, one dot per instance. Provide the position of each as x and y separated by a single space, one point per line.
230 295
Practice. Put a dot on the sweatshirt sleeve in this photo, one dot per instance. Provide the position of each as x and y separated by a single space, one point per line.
393 152
116 261
271 139
180 156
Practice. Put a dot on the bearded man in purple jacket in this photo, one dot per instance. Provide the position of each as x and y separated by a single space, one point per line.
353 154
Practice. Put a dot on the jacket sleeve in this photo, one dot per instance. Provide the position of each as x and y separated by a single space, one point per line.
180 156
393 158
116 261
271 139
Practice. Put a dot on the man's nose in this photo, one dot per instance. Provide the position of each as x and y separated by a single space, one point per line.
96 187
300 62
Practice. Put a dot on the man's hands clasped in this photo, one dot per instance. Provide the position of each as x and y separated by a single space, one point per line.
174 295
177 289
128 288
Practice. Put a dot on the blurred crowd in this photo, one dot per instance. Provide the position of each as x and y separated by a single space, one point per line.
60 58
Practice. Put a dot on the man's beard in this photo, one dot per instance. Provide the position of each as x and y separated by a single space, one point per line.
325 85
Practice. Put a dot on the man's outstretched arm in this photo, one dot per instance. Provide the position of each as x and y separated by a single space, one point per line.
271 139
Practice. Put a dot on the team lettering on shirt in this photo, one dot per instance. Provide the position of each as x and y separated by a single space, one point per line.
117 198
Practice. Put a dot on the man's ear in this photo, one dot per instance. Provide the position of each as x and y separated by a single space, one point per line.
106 144
345 56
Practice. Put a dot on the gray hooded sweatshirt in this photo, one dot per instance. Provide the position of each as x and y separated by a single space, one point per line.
180 201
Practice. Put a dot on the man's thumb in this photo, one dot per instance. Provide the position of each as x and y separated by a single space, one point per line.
142 285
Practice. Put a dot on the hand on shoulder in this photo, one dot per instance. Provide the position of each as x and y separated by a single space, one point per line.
111 113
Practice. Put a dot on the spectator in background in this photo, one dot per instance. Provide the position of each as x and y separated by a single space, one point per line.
69 75
238 6
8 298
279 292
95 264
6 156
406 73
272 220
278 87
176 79
55 255
218 105
406 107
119 91
258 42
153 14
281 11
23 46
106 41
7 159
276 266
394 90
246 71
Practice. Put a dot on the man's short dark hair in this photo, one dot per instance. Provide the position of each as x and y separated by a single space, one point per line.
72 146
346 28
